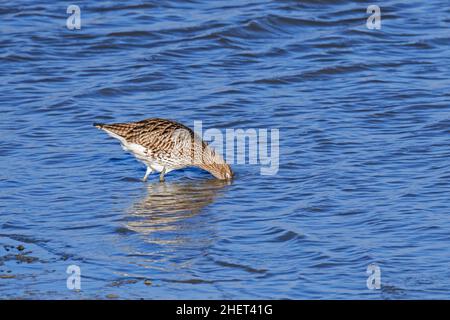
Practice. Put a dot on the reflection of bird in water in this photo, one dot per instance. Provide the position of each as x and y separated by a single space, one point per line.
165 145
168 203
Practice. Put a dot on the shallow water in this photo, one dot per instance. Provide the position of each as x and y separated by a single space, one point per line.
364 173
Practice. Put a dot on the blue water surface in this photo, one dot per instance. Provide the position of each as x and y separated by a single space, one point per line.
364 165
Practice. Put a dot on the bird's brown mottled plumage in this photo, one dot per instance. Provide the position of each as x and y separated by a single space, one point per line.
165 145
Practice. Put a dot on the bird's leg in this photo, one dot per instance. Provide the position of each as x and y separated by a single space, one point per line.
147 173
161 175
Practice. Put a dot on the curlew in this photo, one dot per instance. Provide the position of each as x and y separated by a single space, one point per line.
165 145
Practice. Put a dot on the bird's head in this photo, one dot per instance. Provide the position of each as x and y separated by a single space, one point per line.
215 164
220 171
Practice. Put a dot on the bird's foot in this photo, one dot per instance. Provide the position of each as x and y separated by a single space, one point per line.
147 173
161 175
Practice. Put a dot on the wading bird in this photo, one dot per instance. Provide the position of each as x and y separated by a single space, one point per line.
165 145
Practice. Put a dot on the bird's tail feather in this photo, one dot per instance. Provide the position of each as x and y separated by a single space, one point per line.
118 129
99 125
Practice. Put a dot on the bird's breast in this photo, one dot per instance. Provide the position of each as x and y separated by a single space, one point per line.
141 153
